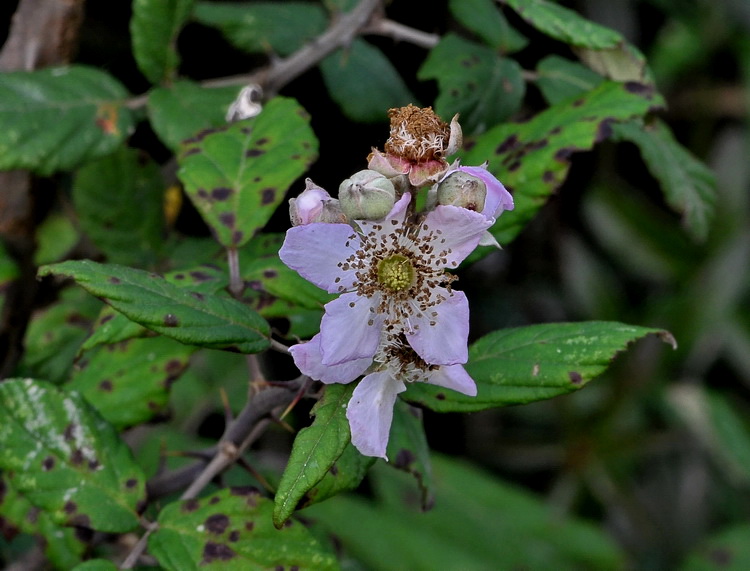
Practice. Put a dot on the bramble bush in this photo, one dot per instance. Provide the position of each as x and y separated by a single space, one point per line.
193 379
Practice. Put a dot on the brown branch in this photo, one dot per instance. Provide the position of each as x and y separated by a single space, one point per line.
42 33
281 71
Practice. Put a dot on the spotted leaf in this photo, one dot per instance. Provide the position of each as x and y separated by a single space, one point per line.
237 175
57 118
232 530
66 459
190 317
408 449
129 382
484 87
527 364
532 158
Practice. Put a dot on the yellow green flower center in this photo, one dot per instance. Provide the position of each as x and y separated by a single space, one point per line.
396 273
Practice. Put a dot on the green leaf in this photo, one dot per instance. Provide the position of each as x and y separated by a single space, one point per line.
56 236
111 326
345 475
483 87
185 108
315 450
478 522
154 28
620 63
58 118
727 550
564 24
364 82
559 79
264 272
232 531
96 565
532 158
237 175
527 364
61 455
689 186
119 200
264 26
129 382
408 449
189 317
484 19
18 515
55 334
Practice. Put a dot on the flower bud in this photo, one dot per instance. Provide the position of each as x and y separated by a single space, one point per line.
367 195
314 204
462 189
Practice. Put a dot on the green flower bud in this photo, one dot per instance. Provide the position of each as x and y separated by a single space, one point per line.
462 189
367 195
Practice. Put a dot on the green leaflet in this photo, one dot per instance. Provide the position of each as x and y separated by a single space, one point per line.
315 450
154 28
526 364
237 175
58 118
364 82
564 24
64 458
484 87
129 382
532 159
119 200
184 108
689 186
283 27
232 531
190 317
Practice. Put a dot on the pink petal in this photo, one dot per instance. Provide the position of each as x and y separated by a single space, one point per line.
454 377
349 329
460 232
370 412
441 335
307 357
498 198
315 251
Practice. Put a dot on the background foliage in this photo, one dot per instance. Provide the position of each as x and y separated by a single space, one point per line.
619 126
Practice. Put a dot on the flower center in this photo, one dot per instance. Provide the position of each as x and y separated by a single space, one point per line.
396 272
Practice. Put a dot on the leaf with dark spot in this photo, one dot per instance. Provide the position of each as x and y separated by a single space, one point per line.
131 382
459 65
224 167
204 532
49 438
215 322
565 129
408 449
527 364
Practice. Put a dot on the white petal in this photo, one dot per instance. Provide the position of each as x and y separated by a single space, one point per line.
454 377
307 357
441 335
460 231
370 412
315 251
349 329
